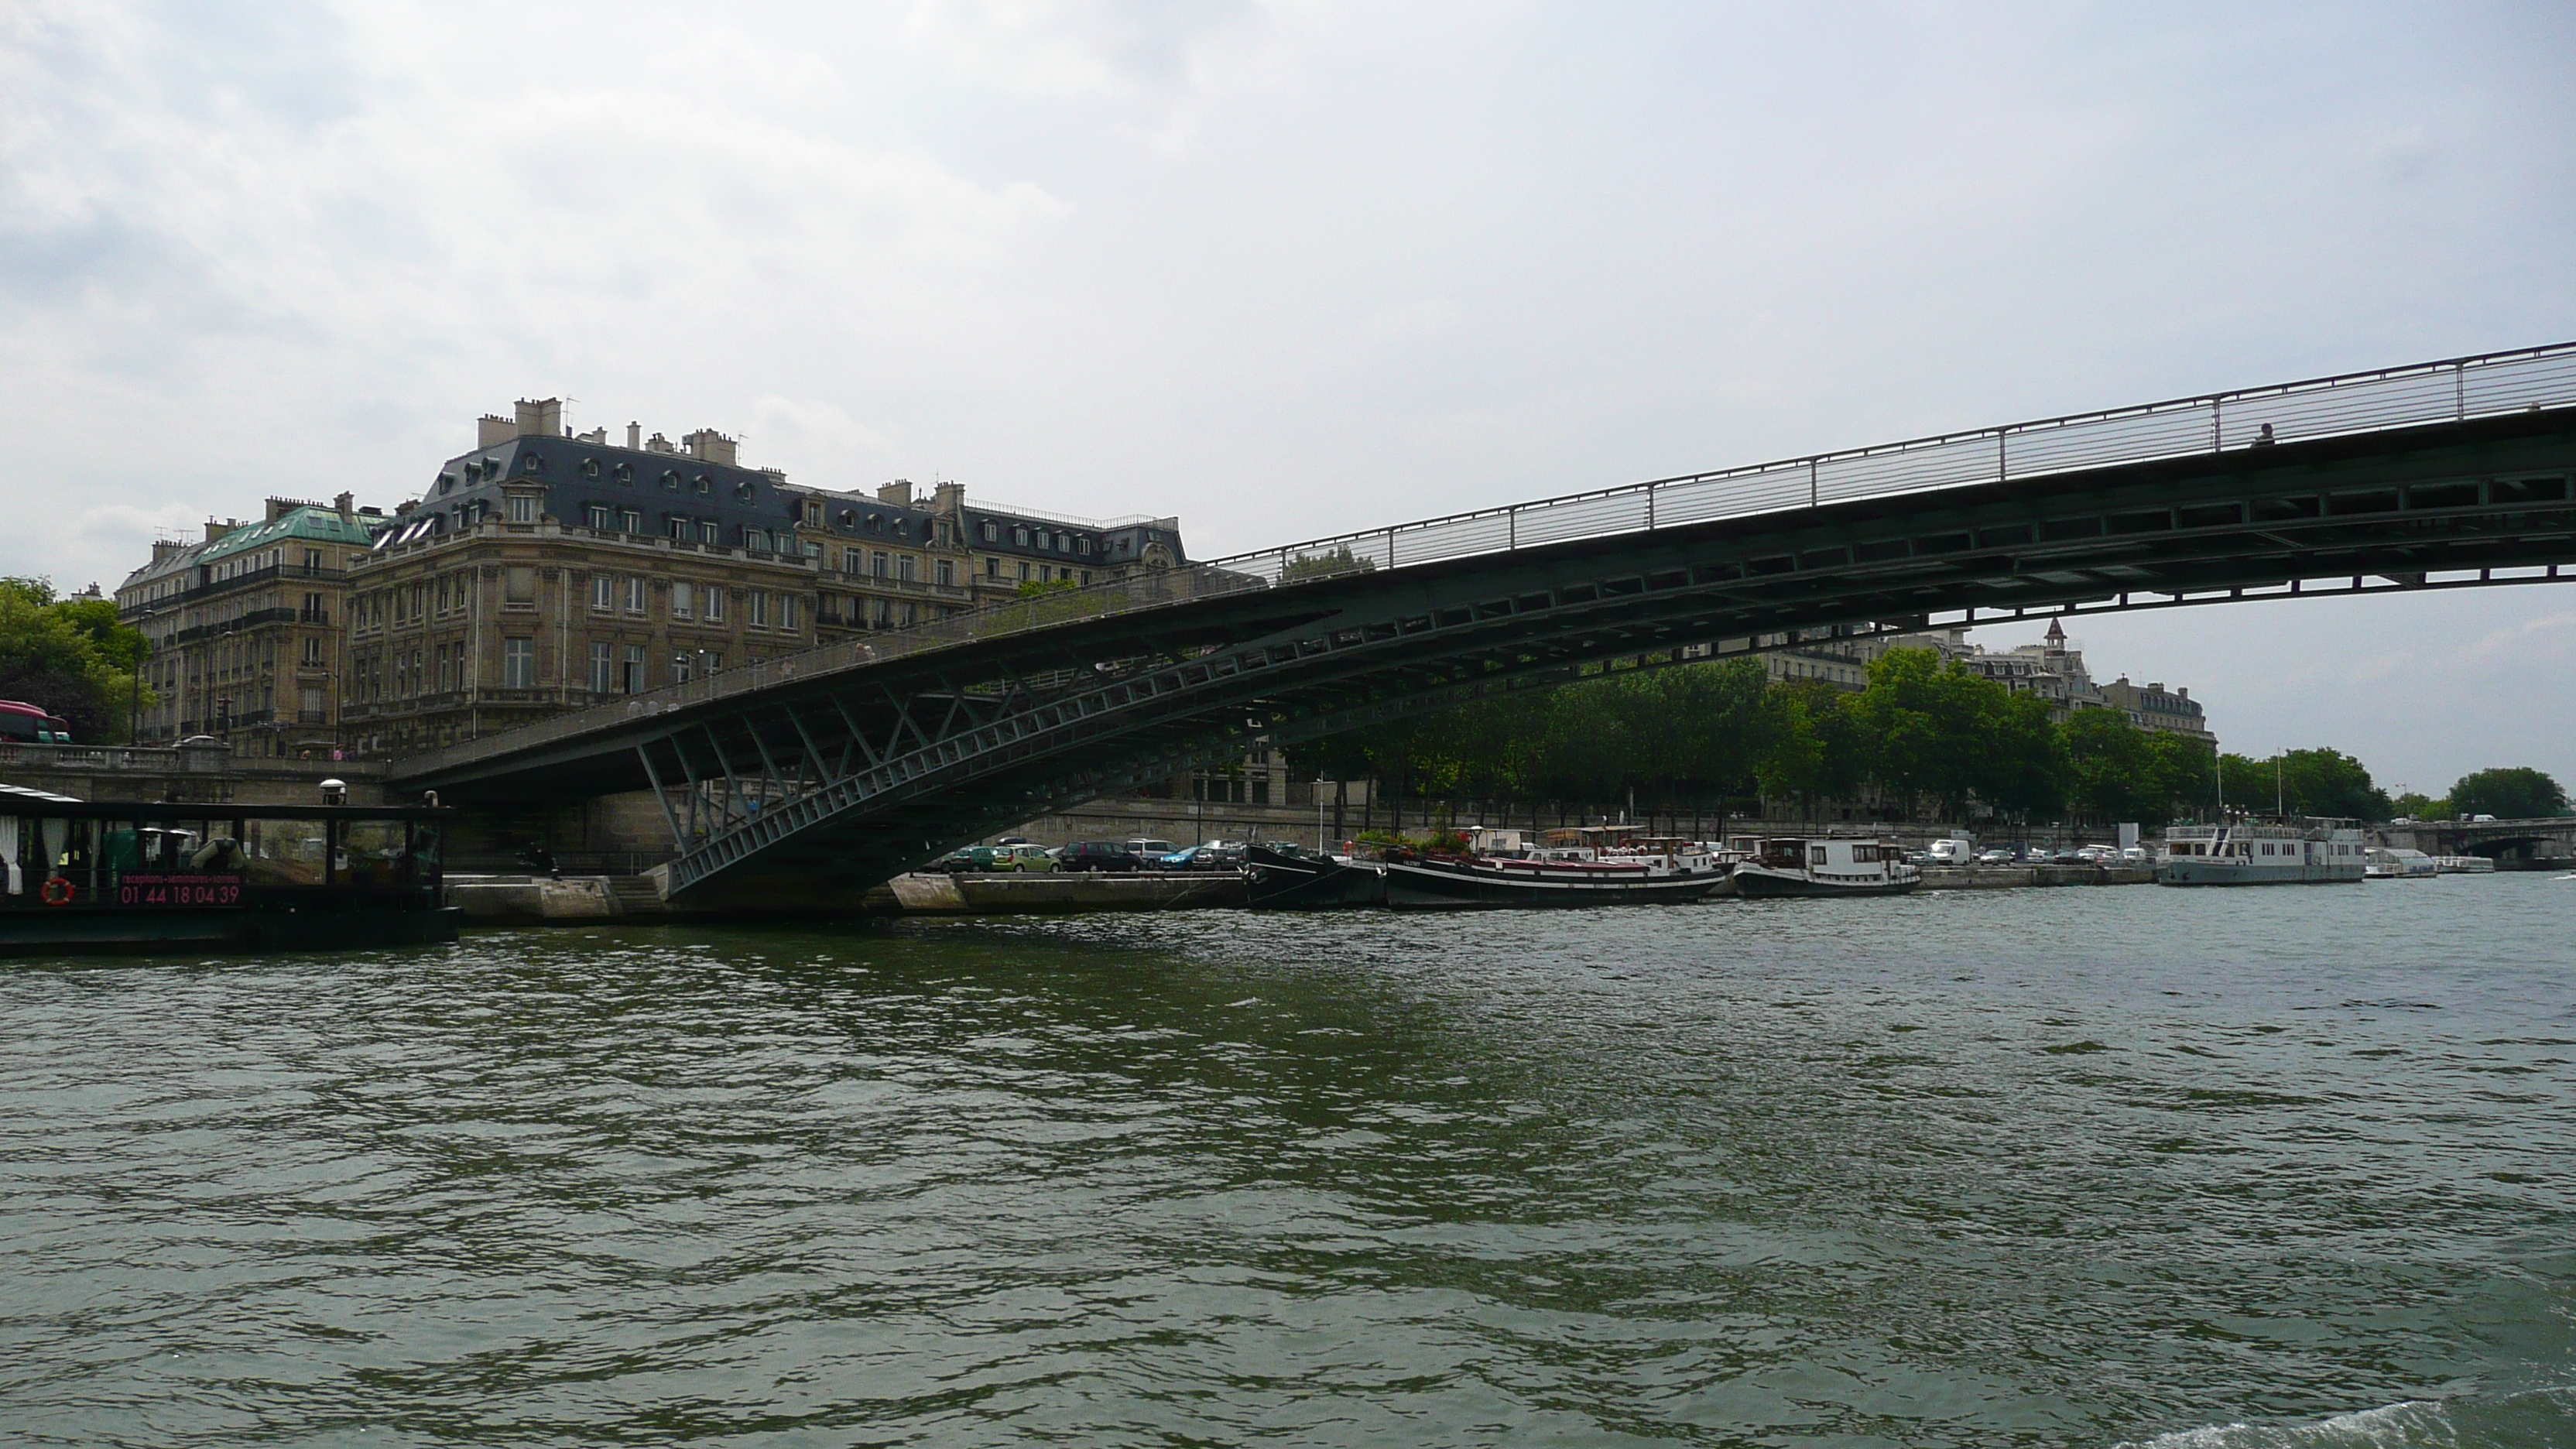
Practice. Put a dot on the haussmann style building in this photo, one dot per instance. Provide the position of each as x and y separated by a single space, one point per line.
248 627
544 572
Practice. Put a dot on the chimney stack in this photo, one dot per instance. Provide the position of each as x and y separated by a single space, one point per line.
540 418
709 445
898 493
635 436
346 505
948 497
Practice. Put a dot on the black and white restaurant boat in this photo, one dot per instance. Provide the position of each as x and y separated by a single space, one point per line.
1802 866
1552 875
126 877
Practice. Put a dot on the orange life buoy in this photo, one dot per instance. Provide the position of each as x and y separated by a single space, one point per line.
53 896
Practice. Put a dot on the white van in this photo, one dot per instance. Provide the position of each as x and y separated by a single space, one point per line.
1954 851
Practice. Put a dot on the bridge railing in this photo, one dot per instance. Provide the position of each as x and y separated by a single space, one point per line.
2455 389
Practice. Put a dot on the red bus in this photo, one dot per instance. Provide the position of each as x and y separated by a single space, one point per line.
27 724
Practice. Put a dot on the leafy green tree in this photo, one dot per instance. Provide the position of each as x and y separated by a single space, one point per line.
2518 793
2023 766
1323 565
69 657
2111 766
1811 743
2414 805
2181 768
2305 782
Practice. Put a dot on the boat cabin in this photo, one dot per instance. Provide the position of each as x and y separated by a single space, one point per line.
1858 857
58 854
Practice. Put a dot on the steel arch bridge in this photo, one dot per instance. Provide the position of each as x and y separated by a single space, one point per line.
799 778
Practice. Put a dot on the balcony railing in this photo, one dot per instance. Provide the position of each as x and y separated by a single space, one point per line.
237 582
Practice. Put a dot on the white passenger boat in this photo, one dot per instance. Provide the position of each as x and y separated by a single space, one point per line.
1801 866
2261 853
2465 864
2382 862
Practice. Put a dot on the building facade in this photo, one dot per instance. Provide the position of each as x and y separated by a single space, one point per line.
248 627
545 571
2053 670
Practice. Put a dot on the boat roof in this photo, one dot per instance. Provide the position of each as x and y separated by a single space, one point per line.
25 802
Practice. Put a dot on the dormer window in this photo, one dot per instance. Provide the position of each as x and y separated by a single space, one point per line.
590 467
531 463
625 472
992 531
670 481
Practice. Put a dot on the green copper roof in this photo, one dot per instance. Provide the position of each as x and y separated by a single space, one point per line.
321 525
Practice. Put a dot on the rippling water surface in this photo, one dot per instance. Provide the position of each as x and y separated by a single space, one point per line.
2076 1167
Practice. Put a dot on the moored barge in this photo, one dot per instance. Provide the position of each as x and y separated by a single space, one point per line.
1799 866
2254 852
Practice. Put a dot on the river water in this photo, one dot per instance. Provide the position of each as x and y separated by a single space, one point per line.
2084 1167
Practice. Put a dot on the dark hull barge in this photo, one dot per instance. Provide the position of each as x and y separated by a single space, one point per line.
1275 881
1432 884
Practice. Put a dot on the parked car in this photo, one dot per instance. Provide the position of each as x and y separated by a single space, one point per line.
1213 855
1149 853
1098 855
974 858
1994 857
1030 857
1015 840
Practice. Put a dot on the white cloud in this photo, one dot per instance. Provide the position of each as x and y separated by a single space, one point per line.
1283 267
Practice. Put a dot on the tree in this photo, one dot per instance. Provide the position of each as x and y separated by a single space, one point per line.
2110 766
2180 767
1323 565
2415 806
2306 782
2518 793
69 657
2022 769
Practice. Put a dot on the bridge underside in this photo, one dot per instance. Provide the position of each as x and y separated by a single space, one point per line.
809 791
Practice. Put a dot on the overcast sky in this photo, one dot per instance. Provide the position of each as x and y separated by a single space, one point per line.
1282 269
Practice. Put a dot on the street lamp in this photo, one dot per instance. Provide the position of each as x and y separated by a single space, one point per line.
1321 847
